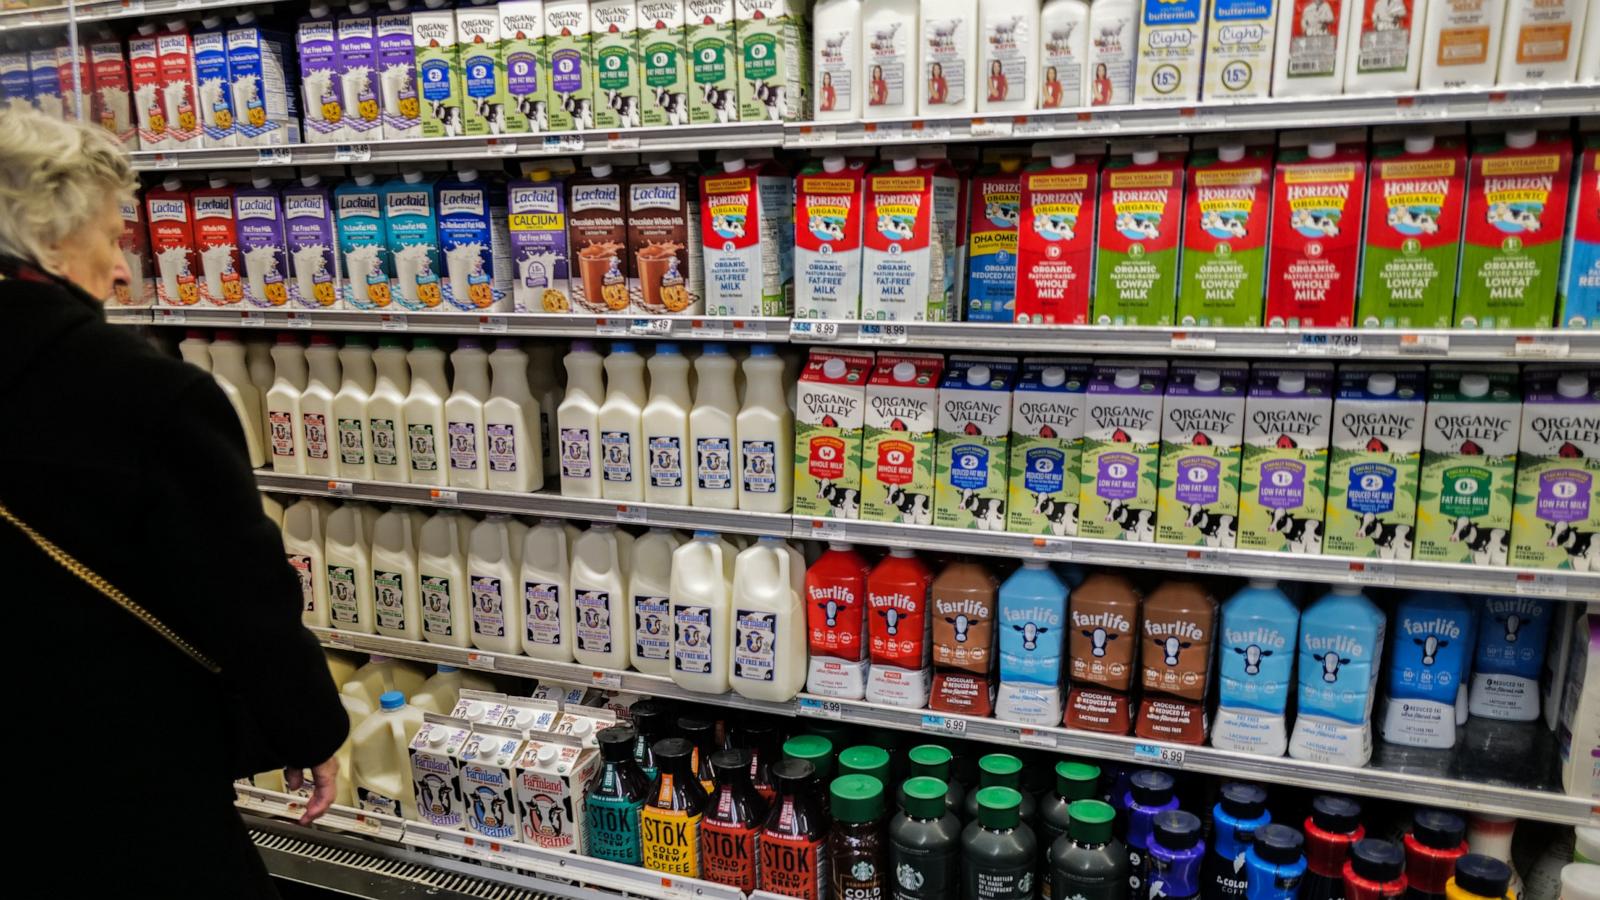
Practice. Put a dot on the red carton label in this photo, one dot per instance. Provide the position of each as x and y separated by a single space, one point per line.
172 246
175 58
1316 240
216 242
110 98
144 71
1055 244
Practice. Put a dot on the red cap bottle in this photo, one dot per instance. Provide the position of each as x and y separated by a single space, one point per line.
1436 841
1375 871
1332 828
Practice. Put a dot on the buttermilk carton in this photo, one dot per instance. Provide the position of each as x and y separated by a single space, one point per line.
1375 461
713 62
1141 219
1511 255
537 229
1315 251
911 208
974 434
1240 35
1283 481
439 81
397 74
1117 475
746 224
1469 465
897 453
1202 440
993 208
483 68
1556 521
1580 266
435 754
774 40
551 775
830 413
1056 248
827 238
569 47
1172 43
1416 196
614 40
1227 213
526 69
664 58
1047 416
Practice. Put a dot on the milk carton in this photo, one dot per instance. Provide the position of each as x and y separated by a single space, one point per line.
1580 266
1580 709
911 207
830 413
1556 521
1239 42
317 44
216 242
1118 472
483 69
1227 213
175 59
360 72
14 81
408 212
713 62
1511 256
473 243
1202 437
774 39
1056 249
1413 237
664 58
1172 43
258 210
110 100
479 707
970 485
584 723
614 31
65 60
664 241
527 714
439 79
1047 416
45 82
1469 465
213 88
140 288
897 455
538 234
489 780
364 244
1141 220
172 244
527 68
436 769
397 75
1315 251
567 42
746 224
1282 485
313 244
993 211
551 776
144 77
262 80
597 233
827 239
1374 461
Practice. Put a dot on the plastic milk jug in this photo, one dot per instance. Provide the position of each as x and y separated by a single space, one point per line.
1512 633
549 392
602 632
262 370
649 601
1008 47
438 694
1341 644
380 675
512 437
620 424
889 48
1310 54
380 761
836 59
386 421
283 406
1541 40
701 632
712 425
1461 43
766 435
1431 650
352 428
1260 625
1239 45
547 613
195 350
228 368
317 433
578 420
1385 46
463 414
769 636
1032 624
302 544
948 57
347 545
425 434
442 579
396 602
666 429
493 561
273 509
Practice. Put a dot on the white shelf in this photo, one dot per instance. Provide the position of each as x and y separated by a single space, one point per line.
488 324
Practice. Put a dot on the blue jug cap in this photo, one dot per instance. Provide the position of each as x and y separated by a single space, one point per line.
391 700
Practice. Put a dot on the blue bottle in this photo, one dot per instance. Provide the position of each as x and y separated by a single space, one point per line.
1234 821
1512 633
1031 620
1176 856
1149 793
1256 653
1428 655
1274 864
1341 644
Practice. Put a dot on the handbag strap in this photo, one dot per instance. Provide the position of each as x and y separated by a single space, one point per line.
89 577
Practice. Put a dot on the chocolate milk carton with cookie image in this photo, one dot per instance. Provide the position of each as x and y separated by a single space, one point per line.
1103 633
597 235
1287 421
664 243
537 228
1180 620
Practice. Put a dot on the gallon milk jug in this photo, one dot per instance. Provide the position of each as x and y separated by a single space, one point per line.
273 510
396 597
1008 48
601 632
949 58
283 406
259 363
386 420
578 421
1032 620
442 579
194 349
316 407
666 429
1341 644
701 636
353 431
766 435
302 543
1309 54
769 637
424 413
649 590
438 694
233 376
1431 647
1260 626
493 564
380 675
513 440
548 391
464 417
380 764
546 580
889 46
836 53
347 545
711 428
620 426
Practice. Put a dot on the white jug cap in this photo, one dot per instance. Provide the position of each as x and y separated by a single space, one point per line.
218 181
1580 881
1572 384
833 368
978 374
1062 160
733 165
1230 152
1053 376
905 164
1207 380
600 170
1521 140
177 24
365 178
1145 157
147 28
1321 149
1419 143
660 166
904 371
1291 382
317 10
411 176
357 7
172 184
1474 384
1126 378
833 162
1380 384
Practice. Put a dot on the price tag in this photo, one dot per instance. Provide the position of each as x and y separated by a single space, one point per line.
274 156
339 642
827 529
392 321
133 6
882 334
615 141
987 128
611 327
250 319
1193 343
1541 347
1196 560
749 329
1044 548
611 681
297 320
480 660
882 132
1166 756
944 724
1329 345
651 327
825 709
171 316
496 147
930 131
441 495
1371 573
1034 126
1425 343
563 143
813 330
626 513
492 324
1541 584
705 328
1035 738
352 153
341 489
163 161
1421 107
1515 103
811 136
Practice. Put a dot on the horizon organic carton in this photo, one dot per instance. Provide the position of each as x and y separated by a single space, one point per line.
827 239
1227 213
909 224
1056 236
993 212
1315 251
1141 219
1416 198
1511 254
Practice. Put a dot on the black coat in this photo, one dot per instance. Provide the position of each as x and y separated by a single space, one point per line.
134 462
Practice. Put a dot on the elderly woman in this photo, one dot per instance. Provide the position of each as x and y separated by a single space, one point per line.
134 547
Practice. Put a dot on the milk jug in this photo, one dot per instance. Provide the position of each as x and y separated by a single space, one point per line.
396 598
380 675
1032 618
649 591
546 580
1431 649
701 636
512 438
1260 625
711 429
1385 46
836 59
386 421
347 543
889 47
769 637
424 413
1341 644
302 543
548 391
766 435
259 363
316 407
438 694
442 579
380 761
493 564
273 510
1008 46
283 406
578 419
1113 52
666 429
1310 56
948 57
352 430
602 633
620 425
463 415
228 368
195 350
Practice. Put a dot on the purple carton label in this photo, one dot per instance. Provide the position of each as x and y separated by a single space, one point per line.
566 72
358 76
258 215
1117 476
1199 479
313 256
1283 484
522 74
319 80
1563 495
397 77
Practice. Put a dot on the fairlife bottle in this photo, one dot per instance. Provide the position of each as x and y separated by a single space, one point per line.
1260 625
1431 646
1341 645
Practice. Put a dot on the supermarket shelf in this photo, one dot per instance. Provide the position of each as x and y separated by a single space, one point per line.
120 316
491 324
92 11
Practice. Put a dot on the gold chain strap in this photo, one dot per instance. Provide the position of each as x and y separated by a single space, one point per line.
89 577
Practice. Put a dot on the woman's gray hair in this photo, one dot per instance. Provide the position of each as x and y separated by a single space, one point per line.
55 177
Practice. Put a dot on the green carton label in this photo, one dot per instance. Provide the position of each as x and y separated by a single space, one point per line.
1471 495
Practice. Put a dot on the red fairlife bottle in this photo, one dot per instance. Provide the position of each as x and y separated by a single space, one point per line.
1332 828
1375 871
836 623
731 830
899 631
794 840
1436 841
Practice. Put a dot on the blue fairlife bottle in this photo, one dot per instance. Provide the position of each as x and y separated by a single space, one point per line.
1176 856
1149 793
1234 821
1031 620
1274 864
1428 656
1259 627
1512 633
1341 644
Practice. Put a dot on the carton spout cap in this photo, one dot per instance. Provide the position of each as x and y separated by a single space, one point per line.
317 10
1230 152
1126 378
245 18
978 375
1474 384
1264 584
1572 384
467 174
1521 140
1207 381
905 371
217 181
733 165
1291 382
661 167
1321 149
357 7
600 170
841 546
172 184
1062 160
177 24
1419 143
261 182
1145 157
1380 384
365 179
411 176
833 163
1053 376
905 164
834 368
147 28
210 21
310 179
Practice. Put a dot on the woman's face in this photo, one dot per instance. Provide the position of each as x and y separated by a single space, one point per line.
90 257
1100 71
994 67
937 70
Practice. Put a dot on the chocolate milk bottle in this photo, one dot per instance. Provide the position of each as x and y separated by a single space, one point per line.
1180 620
1103 639
664 240
963 639
597 236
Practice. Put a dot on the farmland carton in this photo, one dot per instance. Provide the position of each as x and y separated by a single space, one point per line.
993 210
215 99
664 241
614 30
439 79
897 453
435 753
1202 444
1556 521
1469 465
258 212
1141 219
664 64
552 773
311 233
265 89
827 247
483 69
216 242
110 103
364 242
1374 461
1047 416
488 782
713 62
526 68
774 40
171 221
830 413
1413 242
1117 475
140 288
1056 248
397 75
408 212
746 222
357 36
1172 43
974 437
568 44
1227 213
175 60
1511 255
317 46
1283 482
1316 235
1580 265
537 225
910 234
1240 35
597 223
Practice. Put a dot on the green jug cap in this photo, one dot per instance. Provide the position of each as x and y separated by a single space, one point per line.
999 808
814 749
999 770
865 760
1076 780
931 760
1091 821
922 797
856 798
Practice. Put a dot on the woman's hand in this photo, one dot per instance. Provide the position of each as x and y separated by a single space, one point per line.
324 776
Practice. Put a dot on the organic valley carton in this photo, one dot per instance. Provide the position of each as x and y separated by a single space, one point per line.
435 753
488 782
1288 420
537 228
1141 219
774 39
614 30
1315 250
1413 243
439 81
526 67
397 78
1117 475
1580 267
568 43
830 413
551 775
1556 522
746 219
1469 465
1047 416
1374 461
1511 254
171 219
911 208
1202 437
897 454
1056 246
827 239
1227 212
1172 43
993 207
713 62
974 437
483 68
664 64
